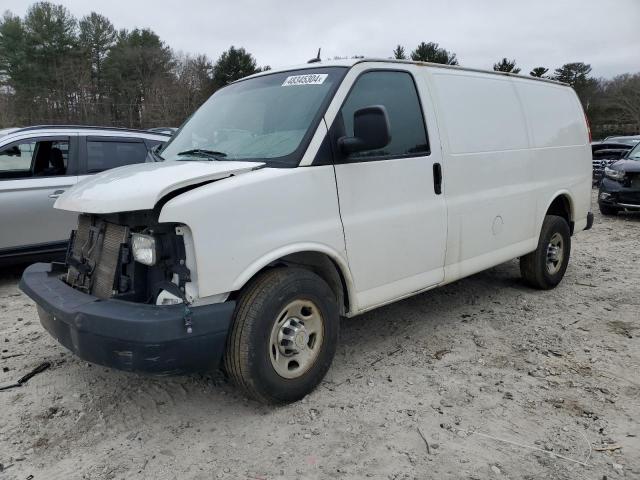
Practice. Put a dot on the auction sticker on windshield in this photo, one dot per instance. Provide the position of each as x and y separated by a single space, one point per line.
310 79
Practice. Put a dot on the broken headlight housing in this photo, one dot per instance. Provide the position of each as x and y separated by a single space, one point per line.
144 249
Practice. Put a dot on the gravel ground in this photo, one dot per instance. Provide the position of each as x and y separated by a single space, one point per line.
501 381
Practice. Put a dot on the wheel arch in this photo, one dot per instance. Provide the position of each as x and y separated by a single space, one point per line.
561 205
320 259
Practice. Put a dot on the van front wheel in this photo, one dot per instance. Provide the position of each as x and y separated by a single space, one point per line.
545 266
284 335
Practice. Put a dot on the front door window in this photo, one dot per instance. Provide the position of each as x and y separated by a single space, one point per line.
34 158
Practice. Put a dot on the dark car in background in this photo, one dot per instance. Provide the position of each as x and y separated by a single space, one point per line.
609 151
631 140
620 186
37 164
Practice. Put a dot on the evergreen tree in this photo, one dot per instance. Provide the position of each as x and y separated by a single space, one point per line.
506 65
431 52
575 74
539 72
233 65
136 67
398 53
97 37
52 61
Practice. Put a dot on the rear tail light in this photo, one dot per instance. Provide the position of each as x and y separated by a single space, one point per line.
586 119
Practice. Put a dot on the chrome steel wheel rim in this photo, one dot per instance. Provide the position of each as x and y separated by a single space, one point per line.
296 338
555 253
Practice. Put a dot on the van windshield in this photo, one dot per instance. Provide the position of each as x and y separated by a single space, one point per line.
269 118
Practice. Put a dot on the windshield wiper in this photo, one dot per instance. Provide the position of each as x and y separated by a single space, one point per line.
201 152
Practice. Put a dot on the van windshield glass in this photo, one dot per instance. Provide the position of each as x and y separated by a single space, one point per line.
268 118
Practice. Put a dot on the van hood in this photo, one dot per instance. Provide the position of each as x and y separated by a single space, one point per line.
139 187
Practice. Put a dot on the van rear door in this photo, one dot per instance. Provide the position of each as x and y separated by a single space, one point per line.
394 221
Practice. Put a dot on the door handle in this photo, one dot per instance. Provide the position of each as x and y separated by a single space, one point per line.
56 193
437 178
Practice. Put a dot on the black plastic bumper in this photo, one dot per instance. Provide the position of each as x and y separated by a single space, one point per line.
618 195
125 335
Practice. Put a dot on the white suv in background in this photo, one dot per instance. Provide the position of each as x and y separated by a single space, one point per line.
37 164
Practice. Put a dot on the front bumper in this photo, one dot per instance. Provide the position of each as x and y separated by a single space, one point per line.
125 335
614 194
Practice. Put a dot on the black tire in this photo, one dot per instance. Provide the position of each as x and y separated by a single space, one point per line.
247 355
607 210
534 268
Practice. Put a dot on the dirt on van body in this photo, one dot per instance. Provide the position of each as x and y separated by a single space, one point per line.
484 378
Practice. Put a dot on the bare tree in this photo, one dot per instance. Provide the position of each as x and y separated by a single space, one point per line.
623 93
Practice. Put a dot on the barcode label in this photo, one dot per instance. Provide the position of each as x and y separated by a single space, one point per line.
310 79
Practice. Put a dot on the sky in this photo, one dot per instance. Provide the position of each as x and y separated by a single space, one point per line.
282 32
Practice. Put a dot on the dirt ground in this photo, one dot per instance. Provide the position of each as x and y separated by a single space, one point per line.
501 380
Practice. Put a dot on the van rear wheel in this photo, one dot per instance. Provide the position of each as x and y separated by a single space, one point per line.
284 335
545 266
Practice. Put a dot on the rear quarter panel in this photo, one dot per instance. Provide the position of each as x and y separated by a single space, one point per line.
510 146
560 147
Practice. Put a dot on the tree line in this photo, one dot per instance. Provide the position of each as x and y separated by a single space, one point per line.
55 68
612 105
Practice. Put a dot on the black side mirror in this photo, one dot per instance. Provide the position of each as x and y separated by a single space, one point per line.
371 130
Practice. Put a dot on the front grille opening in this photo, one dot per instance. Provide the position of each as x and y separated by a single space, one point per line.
95 256
100 262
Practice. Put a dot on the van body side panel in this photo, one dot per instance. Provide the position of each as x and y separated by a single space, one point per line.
560 148
487 171
240 224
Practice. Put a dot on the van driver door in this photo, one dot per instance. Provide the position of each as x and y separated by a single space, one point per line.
391 200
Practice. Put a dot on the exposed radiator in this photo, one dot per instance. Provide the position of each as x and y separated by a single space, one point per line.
95 256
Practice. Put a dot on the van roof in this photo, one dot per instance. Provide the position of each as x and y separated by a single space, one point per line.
350 62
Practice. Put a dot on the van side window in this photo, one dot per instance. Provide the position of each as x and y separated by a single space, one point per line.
34 158
104 155
396 91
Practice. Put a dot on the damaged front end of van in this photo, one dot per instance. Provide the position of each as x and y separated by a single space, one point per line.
128 295
124 298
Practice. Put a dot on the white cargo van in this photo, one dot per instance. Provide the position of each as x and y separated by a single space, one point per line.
292 198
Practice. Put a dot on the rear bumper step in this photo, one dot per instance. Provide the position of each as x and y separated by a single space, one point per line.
589 221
